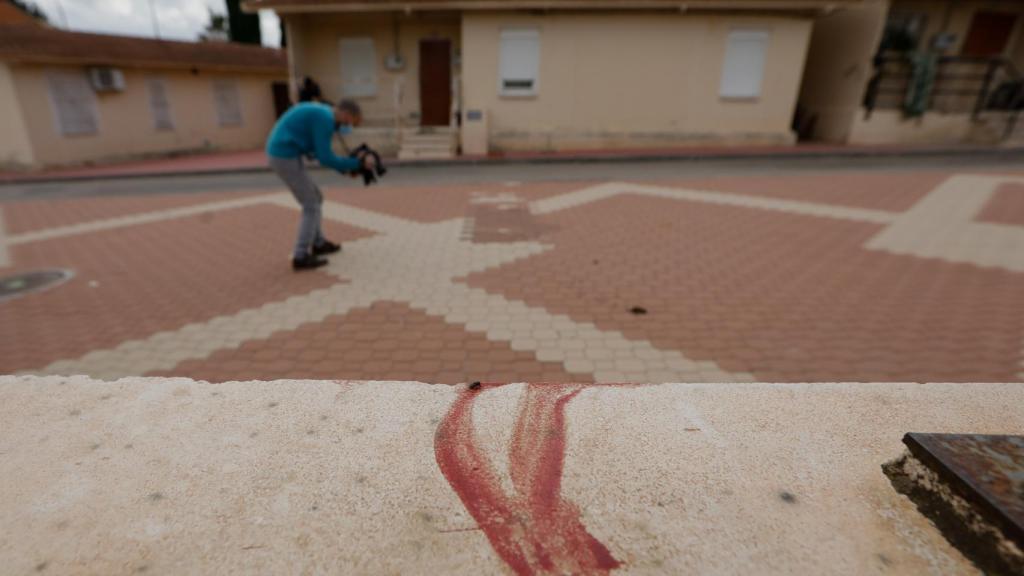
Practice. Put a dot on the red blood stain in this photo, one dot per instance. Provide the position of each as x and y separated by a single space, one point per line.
535 530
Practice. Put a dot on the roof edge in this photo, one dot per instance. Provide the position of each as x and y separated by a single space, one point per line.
142 64
496 5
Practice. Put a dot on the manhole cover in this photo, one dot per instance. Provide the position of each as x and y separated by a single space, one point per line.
14 286
987 471
971 487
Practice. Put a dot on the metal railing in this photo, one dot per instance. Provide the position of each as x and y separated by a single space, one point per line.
962 84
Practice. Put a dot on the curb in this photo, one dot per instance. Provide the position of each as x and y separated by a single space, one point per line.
972 152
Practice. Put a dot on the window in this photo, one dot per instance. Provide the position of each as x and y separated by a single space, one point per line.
229 109
73 102
159 104
520 62
358 67
743 70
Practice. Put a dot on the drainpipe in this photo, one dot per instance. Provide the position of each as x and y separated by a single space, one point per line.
948 15
397 86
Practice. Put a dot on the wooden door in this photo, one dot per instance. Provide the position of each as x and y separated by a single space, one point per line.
988 34
282 102
435 82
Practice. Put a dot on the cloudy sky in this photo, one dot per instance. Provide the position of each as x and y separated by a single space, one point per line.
177 19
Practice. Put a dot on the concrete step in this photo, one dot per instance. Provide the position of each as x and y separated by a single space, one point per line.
429 143
815 501
428 138
445 145
420 154
428 130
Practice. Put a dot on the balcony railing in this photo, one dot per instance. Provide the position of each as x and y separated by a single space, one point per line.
962 84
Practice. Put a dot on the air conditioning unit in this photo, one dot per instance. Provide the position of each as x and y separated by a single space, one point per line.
394 63
106 79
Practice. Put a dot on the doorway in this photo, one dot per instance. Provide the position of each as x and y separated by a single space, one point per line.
282 100
435 82
989 34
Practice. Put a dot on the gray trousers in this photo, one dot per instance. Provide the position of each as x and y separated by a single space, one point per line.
294 175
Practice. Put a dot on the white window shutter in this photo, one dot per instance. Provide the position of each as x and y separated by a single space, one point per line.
228 104
358 67
743 69
74 103
519 65
159 104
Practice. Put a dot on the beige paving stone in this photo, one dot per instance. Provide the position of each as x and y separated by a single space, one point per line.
140 219
579 366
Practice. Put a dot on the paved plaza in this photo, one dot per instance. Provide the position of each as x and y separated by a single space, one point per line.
832 276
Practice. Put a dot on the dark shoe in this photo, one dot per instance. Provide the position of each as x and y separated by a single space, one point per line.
327 247
308 263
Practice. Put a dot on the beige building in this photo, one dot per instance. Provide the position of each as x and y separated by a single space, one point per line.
490 76
73 98
508 75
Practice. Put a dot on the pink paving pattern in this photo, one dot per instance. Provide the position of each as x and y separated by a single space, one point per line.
1005 207
388 341
895 192
33 215
782 296
786 297
135 281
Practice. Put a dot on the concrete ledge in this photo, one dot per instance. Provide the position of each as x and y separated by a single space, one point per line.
176 476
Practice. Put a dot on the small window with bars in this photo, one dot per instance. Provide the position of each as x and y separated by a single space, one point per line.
73 102
160 105
228 103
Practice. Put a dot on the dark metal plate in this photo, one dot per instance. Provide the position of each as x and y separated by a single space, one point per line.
987 471
14 286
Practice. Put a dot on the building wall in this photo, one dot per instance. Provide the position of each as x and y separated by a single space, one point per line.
125 119
314 50
15 146
839 65
891 127
632 80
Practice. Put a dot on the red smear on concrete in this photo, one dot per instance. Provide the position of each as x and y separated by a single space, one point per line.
535 530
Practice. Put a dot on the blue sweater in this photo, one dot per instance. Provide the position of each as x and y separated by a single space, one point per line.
307 129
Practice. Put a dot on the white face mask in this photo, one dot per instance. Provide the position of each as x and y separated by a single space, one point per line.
344 129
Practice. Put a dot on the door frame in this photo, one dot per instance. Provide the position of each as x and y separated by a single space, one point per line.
423 79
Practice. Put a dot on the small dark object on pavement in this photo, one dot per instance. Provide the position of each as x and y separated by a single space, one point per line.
369 176
638 310
474 386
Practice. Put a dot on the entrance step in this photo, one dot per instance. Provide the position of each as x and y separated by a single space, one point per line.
428 143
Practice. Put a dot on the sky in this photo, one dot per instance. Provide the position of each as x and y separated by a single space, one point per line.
177 19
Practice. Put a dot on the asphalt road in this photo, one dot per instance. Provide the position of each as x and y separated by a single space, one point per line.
506 172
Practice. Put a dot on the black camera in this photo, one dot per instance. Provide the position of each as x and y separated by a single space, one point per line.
369 175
